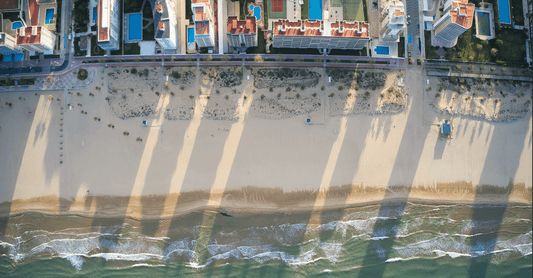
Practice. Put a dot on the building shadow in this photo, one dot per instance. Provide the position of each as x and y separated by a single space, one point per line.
487 219
385 229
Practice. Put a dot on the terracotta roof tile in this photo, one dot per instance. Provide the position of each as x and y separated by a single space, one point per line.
236 26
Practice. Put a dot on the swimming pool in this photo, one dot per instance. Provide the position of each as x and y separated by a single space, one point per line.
13 57
504 11
483 23
49 16
135 27
15 25
382 50
190 34
315 9
256 11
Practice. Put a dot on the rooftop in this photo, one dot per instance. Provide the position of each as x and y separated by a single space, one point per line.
462 13
8 4
103 20
161 19
236 26
345 29
34 12
201 28
29 35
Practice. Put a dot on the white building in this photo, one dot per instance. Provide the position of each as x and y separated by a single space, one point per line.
392 22
36 38
108 24
320 34
242 33
8 45
457 17
165 22
204 31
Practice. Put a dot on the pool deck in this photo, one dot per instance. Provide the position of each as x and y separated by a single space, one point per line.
393 48
492 28
127 29
43 6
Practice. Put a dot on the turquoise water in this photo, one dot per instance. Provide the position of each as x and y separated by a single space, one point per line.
382 50
315 9
391 240
15 25
256 11
135 27
49 16
190 34
504 11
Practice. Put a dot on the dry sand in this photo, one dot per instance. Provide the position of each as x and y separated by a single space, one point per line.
206 143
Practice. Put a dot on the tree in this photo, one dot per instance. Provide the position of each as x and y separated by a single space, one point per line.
280 58
258 58
494 52
224 58
499 43
479 46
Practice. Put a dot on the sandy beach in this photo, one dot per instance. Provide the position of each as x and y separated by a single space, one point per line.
215 139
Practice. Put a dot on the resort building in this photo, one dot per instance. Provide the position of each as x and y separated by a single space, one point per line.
457 17
320 34
242 33
392 22
108 24
36 38
204 31
165 22
40 13
8 44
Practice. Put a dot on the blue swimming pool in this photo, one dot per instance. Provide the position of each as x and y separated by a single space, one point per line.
13 57
256 11
315 9
382 50
95 15
504 11
190 34
49 16
15 25
135 27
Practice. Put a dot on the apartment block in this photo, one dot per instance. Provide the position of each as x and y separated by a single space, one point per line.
457 18
392 21
320 34
204 31
165 22
8 45
108 24
242 33
36 38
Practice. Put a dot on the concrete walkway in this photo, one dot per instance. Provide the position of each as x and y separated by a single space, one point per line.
474 75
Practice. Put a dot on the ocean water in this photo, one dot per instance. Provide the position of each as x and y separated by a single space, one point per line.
391 240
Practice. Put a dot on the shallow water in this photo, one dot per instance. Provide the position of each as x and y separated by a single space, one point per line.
392 240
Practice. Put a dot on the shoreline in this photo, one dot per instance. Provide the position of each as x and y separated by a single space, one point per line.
262 200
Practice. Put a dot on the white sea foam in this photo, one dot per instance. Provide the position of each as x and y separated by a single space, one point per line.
453 255
148 265
126 257
75 260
